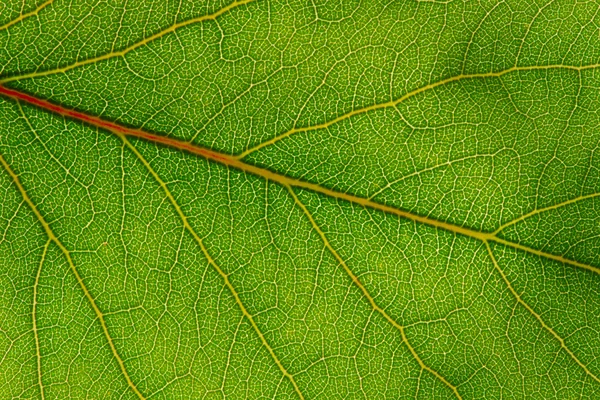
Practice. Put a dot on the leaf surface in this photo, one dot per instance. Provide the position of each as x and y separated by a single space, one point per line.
279 199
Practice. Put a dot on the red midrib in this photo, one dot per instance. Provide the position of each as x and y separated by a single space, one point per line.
284 180
111 126
228 160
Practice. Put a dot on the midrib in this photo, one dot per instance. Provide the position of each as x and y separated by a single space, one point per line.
237 163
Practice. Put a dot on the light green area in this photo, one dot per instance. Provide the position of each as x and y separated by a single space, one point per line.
199 280
68 31
20 254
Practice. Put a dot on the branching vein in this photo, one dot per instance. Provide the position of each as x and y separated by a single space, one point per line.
212 262
52 237
123 52
544 209
394 103
26 15
367 295
536 315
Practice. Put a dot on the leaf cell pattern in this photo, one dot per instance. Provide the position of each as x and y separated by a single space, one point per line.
283 199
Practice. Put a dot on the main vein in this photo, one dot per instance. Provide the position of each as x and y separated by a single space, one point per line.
235 162
366 293
52 237
212 262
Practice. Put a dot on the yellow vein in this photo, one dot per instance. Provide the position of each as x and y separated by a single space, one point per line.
52 237
212 263
536 315
26 15
432 168
393 103
287 181
38 352
545 254
541 210
123 52
366 293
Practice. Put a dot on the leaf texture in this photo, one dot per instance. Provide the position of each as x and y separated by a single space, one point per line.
286 199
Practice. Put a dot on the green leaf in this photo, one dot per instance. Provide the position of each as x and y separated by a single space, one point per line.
289 199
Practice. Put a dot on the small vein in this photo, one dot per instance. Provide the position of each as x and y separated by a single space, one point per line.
38 352
528 30
544 254
536 315
433 168
212 262
366 293
544 209
52 237
136 45
476 30
395 102
26 15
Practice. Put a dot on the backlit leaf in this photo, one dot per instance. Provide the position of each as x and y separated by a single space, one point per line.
289 199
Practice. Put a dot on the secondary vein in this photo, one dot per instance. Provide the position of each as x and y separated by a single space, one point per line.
536 315
52 237
544 209
212 262
36 285
136 45
366 293
395 102
26 15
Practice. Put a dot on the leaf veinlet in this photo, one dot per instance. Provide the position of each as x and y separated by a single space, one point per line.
52 237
